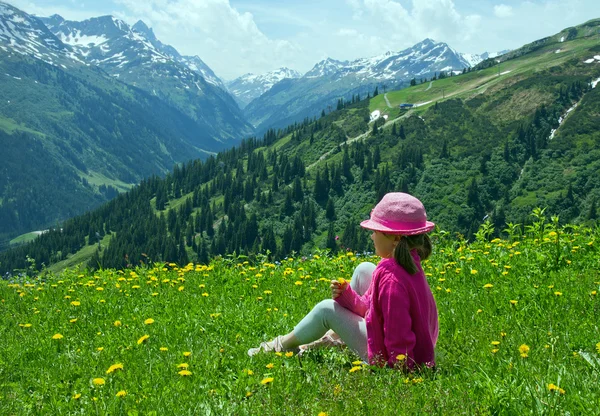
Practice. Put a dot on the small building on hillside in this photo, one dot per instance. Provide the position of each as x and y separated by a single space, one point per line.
405 106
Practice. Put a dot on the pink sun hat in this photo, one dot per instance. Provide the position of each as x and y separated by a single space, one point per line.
399 213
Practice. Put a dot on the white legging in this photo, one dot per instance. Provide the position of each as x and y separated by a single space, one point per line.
328 314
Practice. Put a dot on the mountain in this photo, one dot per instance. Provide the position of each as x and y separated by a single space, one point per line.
474 59
512 144
249 86
330 80
135 56
73 136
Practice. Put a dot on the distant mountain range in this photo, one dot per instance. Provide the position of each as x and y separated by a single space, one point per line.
516 135
136 57
108 104
329 80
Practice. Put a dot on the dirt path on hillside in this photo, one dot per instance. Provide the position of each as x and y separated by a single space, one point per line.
359 137
387 101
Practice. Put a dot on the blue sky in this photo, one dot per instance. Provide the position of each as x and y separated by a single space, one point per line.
239 36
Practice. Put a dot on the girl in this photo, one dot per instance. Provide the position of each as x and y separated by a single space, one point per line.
387 314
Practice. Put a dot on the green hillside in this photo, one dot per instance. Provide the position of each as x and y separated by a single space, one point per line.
484 146
73 139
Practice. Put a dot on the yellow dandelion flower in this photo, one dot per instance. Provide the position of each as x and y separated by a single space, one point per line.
183 365
400 357
270 366
558 293
479 310
355 368
554 387
121 393
149 321
76 396
73 320
495 343
298 283
100 349
524 350
322 414
75 303
205 294
249 372
341 280
185 373
117 323
57 336
267 292
99 289
279 354
248 393
495 350
473 271
488 286
514 302
114 367
187 354
98 381
164 349
143 339
267 380
289 354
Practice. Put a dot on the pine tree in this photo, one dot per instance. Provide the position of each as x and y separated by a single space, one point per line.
330 210
331 238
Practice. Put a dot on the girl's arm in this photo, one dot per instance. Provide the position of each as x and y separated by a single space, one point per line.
350 300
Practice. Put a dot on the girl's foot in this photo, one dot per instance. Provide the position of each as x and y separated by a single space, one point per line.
330 339
271 346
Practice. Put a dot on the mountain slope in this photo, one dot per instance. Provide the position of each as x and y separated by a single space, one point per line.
330 80
134 55
71 135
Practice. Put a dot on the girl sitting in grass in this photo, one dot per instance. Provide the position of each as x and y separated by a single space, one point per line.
387 313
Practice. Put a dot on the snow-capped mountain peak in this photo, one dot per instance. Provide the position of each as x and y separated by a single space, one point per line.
24 34
326 67
250 86
142 28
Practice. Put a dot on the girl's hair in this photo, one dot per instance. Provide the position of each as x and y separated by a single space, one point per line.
402 255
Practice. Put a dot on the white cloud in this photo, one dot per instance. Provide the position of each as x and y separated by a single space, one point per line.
228 41
389 25
69 13
502 11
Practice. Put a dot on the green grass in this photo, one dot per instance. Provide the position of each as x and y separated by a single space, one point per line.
97 178
534 295
24 238
10 126
81 257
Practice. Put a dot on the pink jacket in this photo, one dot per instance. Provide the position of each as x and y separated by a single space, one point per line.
400 314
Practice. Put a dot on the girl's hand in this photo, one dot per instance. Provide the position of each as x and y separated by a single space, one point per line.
337 287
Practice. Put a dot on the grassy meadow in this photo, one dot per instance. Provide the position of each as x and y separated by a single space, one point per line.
518 335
